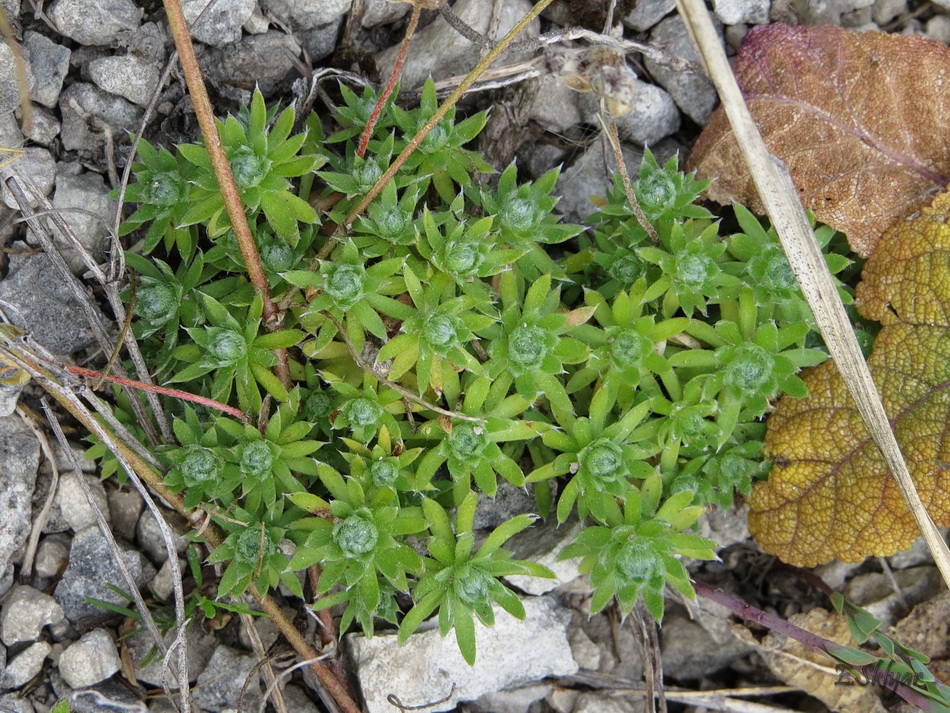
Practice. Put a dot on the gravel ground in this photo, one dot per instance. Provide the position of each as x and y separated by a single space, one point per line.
94 66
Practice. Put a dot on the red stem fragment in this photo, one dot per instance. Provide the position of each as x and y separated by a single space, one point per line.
391 84
163 390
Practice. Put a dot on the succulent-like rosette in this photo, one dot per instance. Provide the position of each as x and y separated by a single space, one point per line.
435 339
356 537
463 249
343 283
262 160
524 217
161 191
634 552
463 582
753 369
352 292
601 461
471 450
691 267
762 265
531 344
385 463
254 555
364 411
239 357
157 302
226 347
390 218
257 458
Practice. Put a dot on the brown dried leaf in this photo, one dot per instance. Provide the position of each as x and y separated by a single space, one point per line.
860 119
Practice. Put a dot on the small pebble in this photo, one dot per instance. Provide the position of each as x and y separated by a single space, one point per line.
44 127
72 501
938 28
128 76
24 666
48 64
51 557
90 660
25 612
94 22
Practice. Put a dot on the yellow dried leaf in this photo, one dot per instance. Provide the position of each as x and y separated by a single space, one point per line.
829 494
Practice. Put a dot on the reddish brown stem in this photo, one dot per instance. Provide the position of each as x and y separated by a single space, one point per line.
164 391
328 630
812 641
222 172
391 84
334 687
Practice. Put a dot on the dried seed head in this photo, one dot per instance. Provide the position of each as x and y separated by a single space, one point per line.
599 70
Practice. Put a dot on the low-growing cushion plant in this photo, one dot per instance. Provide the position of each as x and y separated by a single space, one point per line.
458 332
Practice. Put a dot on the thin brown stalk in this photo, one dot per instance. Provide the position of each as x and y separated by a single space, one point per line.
613 138
123 333
247 621
333 685
222 172
391 84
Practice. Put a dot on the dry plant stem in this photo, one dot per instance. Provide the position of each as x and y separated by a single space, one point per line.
135 465
361 362
89 309
722 699
111 289
812 641
327 629
784 209
393 77
39 522
247 621
120 341
323 674
222 172
648 659
610 127
182 670
19 67
180 645
284 674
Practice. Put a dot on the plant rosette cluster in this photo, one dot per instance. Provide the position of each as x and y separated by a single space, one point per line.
459 332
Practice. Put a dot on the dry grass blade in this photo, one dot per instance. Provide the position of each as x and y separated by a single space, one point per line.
181 670
787 215
39 522
247 621
82 297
